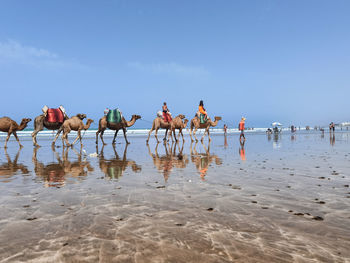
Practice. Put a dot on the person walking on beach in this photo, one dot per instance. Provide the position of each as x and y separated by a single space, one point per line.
166 115
241 128
225 129
331 127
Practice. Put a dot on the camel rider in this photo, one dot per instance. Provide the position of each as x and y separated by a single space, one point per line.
201 110
241 128
166 115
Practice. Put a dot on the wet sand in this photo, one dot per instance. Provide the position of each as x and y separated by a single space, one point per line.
277 199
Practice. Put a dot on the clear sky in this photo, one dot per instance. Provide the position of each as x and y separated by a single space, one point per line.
286 61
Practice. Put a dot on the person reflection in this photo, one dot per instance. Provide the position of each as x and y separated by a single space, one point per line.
332 138
203 160
242 151
115 167
54 173
10 168
171 159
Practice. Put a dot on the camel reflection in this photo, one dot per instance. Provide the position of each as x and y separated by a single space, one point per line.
54 174
115 167
10 168
203 160
171 159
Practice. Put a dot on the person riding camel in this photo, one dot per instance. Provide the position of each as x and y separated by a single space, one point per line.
166 113
201 110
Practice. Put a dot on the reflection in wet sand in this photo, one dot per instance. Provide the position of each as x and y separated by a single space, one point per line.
115 167
54 174
242 151
331 139
203 160
165 163
285 205
10 168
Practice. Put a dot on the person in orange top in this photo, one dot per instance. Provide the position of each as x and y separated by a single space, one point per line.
201 110
241 128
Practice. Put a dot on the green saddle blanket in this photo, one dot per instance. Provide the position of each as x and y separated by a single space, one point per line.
203 118
114 116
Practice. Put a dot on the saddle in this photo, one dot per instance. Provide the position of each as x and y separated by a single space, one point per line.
166 117
114 116
202 118
54 115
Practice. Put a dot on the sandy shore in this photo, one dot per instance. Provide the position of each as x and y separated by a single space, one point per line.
278 199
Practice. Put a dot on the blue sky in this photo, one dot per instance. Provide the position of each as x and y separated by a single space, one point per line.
286 61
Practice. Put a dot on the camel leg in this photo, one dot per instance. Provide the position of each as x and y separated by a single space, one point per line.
7 138
194 134
180 132
34 134
78 137
173 131
101 136
155 135
98 131
149 134
15 134
124 131
66 139
57 135
209 136
205 131
115 136
166 133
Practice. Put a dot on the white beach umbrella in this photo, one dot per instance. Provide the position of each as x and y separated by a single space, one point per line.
276 124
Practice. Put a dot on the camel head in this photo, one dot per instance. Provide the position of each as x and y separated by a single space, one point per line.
217 118
89 121
81 116
25 121
185 122
181 116
136 117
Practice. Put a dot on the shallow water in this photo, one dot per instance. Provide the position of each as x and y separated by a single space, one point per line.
279 198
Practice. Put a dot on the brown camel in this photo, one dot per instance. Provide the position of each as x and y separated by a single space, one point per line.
11 127
160 123
195 123
40 123
178 125
115 167
74 124
103 125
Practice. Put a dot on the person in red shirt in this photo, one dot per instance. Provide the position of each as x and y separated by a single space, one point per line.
241 128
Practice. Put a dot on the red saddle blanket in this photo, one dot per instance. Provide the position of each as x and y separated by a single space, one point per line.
54 115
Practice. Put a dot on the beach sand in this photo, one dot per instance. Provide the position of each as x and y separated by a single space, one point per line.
278 199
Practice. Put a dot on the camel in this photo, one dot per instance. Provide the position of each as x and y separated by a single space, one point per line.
178 125
54 173
115 167
195 123
11 127
103 125
40 123
73 124
159 123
